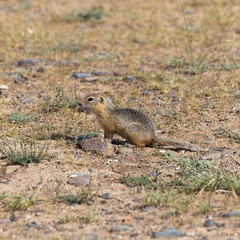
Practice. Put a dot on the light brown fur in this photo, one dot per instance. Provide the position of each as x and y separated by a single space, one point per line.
130 124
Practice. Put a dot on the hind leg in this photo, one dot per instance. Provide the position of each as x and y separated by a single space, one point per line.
136 135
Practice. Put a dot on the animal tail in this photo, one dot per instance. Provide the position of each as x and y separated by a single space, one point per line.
176 145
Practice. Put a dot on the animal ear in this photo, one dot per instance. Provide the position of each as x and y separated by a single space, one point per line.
101 99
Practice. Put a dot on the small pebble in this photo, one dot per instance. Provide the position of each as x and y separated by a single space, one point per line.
81 75
30 225
29 100
79 180
130 77
106 195
233 213
147 209
124 150
209 223
119 228
99 73
168 233
3 89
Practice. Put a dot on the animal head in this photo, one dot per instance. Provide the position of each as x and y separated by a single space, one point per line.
95 102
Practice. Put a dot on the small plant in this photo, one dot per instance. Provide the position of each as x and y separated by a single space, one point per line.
197 175
24 152
227 133
67 219
59 101
89 218
19 202
94 14
85 196
143 180
205 207
21 118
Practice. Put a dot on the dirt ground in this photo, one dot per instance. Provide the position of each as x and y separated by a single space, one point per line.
176 61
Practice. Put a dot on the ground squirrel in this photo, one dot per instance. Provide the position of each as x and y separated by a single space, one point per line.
130 124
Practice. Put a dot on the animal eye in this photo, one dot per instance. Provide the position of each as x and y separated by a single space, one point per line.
90 99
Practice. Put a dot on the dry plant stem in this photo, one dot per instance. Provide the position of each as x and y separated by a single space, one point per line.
40 187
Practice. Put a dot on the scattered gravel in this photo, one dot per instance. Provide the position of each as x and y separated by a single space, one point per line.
168 233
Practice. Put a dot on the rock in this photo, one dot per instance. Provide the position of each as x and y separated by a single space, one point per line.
106 195
153 173
118 228
99 73
145 93
5 221
31 62
130 77
147 209
31 164
117 74
96 145
29 100
209 223
81 75
27 62
77 155
3 89
40 70
213 156
208 105
79 180
30 225
91 79
234 213
70 62
168 233
124 150
20 79
73 175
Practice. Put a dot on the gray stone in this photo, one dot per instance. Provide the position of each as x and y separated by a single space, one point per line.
31 165
3 89
118 228
80 180
130 77
106 195
213 156
147 209
20 79
145 92
70 62
77 155
96 145
5 221
124 150
30 62
27 62
168 233
234 213
29 100
81 75
30 225
91 79
99 73
209 223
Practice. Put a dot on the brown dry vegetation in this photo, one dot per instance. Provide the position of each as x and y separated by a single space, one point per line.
177 61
